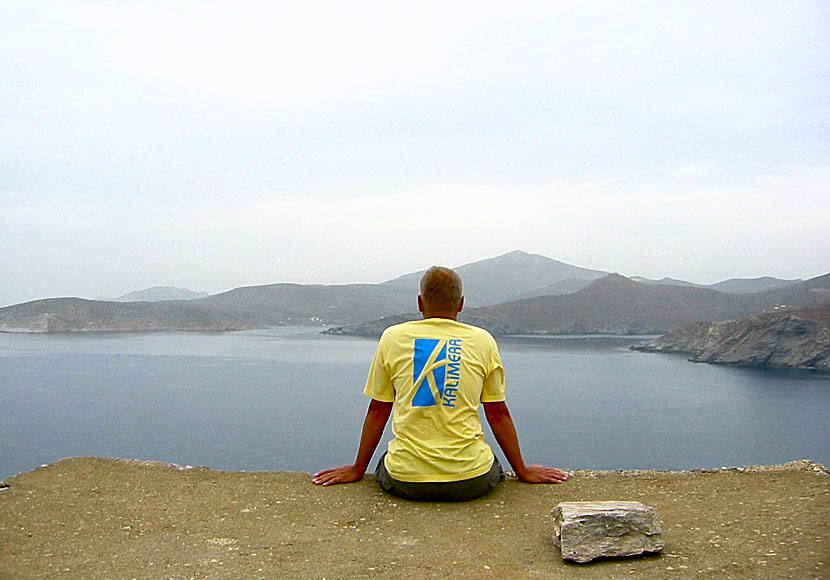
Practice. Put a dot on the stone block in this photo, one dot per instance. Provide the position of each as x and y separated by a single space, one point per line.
585 530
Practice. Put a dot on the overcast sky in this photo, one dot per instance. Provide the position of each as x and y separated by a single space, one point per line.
212 145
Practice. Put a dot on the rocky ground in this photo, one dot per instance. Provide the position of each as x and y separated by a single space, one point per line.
106 518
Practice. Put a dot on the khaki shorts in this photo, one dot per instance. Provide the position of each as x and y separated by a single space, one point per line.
463 490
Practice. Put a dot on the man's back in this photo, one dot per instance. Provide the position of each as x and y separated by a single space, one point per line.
437 372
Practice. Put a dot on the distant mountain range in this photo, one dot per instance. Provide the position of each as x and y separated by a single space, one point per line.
513 293
618 305
732 286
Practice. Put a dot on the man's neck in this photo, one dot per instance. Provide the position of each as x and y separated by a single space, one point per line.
445 315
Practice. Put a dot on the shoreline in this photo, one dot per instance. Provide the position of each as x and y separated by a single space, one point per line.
103 518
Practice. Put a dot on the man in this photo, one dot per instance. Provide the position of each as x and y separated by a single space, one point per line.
435 372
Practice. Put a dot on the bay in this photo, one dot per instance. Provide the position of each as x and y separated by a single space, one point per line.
291 399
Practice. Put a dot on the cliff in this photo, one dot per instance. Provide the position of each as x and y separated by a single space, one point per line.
103 518
799 339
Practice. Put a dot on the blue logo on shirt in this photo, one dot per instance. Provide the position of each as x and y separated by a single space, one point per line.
429 372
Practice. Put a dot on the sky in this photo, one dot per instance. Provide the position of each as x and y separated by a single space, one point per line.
212 145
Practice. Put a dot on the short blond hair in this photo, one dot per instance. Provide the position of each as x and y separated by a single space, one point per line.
441 288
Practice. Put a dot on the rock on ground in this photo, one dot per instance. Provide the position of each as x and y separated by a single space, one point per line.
587 530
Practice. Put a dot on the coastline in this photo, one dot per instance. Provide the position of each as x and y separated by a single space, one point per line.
99 518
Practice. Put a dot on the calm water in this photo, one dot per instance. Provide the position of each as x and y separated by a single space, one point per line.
291 399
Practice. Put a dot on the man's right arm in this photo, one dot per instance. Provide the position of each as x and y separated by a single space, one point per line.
376 417
501 422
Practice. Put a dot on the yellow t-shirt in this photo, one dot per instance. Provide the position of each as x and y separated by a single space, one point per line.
437 372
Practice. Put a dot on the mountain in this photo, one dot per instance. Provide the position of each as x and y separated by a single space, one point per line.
516 293
275 304
238 309
789 339
748 285
160 293
666 282
618 305
78 315
731 286
508 277
566 286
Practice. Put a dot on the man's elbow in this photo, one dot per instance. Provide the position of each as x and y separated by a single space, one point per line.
496 412
381 409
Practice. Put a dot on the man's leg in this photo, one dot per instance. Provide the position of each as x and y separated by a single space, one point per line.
464 490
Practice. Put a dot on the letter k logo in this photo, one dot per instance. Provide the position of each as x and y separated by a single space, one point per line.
429 371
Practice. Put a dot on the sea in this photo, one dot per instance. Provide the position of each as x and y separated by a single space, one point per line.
290 398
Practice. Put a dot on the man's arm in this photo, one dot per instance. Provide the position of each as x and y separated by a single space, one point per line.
498 415
376 417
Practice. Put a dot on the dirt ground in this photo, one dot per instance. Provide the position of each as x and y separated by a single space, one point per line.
106 518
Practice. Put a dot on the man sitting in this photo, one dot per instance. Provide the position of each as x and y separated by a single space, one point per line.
435 372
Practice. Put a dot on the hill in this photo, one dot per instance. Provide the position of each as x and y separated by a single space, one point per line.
515 293
618 305
276 304
160 293
78 315
238 309
748 285
731 286
789 339
666 282
508 277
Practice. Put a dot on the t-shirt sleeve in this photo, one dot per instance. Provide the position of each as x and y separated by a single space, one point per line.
493 388
379 384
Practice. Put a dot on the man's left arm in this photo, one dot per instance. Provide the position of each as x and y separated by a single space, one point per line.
376 417
504 430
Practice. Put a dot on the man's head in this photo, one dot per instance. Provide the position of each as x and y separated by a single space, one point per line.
441 294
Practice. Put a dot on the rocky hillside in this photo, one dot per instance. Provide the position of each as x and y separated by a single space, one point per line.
797 339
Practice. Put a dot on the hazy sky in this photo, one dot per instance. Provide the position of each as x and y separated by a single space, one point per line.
213 145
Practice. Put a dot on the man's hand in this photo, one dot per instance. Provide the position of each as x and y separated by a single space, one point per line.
342 474
376 416
498 415
541 474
